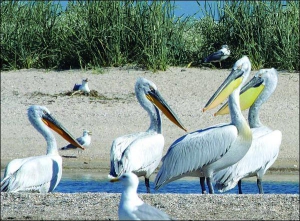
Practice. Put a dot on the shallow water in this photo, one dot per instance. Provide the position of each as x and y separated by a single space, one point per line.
88 184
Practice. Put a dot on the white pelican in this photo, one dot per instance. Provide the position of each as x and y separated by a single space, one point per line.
84 87
266 142
131 207
141 152
38 173
205 151
219 55
84 140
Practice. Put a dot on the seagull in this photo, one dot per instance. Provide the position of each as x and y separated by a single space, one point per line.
219 55
205 151
38 173
141 152
266 142
131 207
84 87
85 141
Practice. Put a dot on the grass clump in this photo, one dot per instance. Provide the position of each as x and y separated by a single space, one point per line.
95 34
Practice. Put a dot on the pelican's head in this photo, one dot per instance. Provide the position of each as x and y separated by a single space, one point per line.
146 88
36 112
127 179
263 80
237 77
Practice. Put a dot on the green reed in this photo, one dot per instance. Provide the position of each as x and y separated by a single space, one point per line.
95 34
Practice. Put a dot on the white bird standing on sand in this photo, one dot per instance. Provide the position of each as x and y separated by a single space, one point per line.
266 142
141 152
131 207
38 173
84 87
84 140
203 152
219 55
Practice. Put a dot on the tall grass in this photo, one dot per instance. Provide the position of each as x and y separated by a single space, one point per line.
93 34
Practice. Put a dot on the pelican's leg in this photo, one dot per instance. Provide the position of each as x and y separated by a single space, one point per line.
202 184
209 184
259 185
147 185
240 186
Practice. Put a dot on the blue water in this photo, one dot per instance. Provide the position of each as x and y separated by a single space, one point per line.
67 185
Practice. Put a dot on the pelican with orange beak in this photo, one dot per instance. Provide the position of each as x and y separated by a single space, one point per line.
38 173
141 152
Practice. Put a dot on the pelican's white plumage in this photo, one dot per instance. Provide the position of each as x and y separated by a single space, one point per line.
131 207
84 140
39 173
203 152
141 152
266 142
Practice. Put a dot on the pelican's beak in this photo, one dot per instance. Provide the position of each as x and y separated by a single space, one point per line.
248 95
155 97
51 122
233 80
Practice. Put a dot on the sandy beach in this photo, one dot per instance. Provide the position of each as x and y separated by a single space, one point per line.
115 112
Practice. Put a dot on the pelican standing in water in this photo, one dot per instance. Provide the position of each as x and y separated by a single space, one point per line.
266 142
131 207
141 152
39 173
219 55
203 152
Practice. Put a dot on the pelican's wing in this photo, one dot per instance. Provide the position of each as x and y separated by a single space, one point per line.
143 153
41 173
195 150
14 165
261 155
117 148
147 212
216 56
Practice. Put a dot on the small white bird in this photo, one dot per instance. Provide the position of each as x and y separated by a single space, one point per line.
266 143
38 173
84 87
85 141
219 55
131 207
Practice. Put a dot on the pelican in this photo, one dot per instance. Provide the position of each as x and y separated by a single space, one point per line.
266 142
141 152
84 140
131 207
84 87
219 55
205 151
38 173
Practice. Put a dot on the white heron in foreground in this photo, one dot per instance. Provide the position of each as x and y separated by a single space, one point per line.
266 142
84 86
203 152
131 207
38 173
141 152
84 140
219 55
